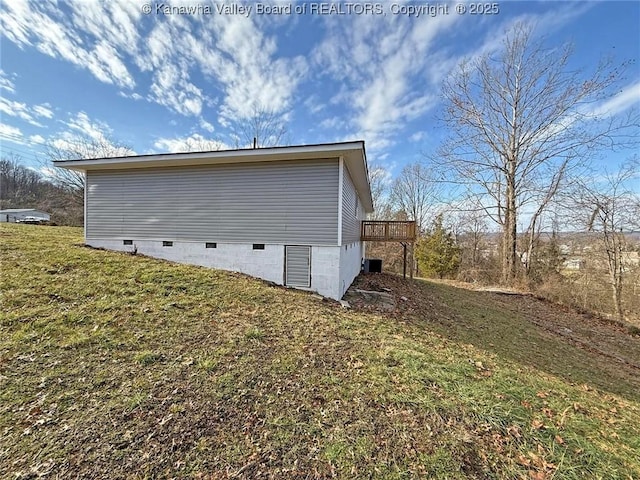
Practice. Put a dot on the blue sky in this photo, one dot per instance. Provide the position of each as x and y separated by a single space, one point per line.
158 82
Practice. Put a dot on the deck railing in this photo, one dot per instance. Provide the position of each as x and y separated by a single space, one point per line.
388 231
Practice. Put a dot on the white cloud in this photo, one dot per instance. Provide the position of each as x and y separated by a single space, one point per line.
166 56
418 136
106 65
384 84
231 50
627 98
235 51
48 28
109 39
313 104
114 21
37 139
172 89
6 83
545 23
43 110
24 111
332 123
11 134
88 138
95 130
191 143
134 96
206 125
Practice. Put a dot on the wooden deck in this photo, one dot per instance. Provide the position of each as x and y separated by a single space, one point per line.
388 231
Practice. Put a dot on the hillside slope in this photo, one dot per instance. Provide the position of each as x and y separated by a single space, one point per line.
115 366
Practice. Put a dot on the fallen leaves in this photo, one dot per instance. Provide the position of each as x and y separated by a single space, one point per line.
171 391
537 424
538 467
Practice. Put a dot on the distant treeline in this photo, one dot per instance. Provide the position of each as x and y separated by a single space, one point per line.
23 187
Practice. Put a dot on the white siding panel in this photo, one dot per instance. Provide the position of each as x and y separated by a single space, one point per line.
350 211
279 202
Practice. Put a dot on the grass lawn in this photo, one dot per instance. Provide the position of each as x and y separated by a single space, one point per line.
120 366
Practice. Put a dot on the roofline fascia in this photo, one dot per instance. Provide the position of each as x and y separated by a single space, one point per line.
254 153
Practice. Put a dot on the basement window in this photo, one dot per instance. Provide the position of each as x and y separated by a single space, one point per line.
258 246
127 242
167 244
211 245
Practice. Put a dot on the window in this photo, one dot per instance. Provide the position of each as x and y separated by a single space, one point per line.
167 244
127 242
211 245
357 205
258 246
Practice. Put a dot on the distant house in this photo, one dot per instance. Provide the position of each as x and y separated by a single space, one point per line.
290 215
574 263
17 215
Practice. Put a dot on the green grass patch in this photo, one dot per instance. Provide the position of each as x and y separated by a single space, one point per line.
147 357
120 366
254 333
544 336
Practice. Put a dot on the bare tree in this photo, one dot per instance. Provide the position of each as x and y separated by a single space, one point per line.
22 187
197 143
77 148
520 122
264 127
19 186
416 193
379 180
610 207
471 236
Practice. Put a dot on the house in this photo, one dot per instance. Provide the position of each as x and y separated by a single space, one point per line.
574 263
289 215
23 214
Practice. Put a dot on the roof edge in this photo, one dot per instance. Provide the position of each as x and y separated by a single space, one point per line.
230 153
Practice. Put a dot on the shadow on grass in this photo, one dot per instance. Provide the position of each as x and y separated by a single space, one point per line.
551 338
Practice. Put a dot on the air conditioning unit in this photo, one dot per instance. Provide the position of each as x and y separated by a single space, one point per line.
372 265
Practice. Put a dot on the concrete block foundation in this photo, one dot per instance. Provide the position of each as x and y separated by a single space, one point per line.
333 268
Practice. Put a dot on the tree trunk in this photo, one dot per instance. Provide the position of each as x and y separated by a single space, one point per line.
509 236
617 299
615 274
531 245
614 246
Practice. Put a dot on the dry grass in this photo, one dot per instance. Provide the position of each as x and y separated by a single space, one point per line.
113 366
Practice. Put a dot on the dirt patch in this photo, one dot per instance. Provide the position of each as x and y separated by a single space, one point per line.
405 295
380 301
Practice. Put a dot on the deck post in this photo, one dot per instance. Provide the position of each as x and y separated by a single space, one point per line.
404 263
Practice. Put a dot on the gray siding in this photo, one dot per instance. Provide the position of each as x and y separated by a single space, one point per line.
275 202
351 211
